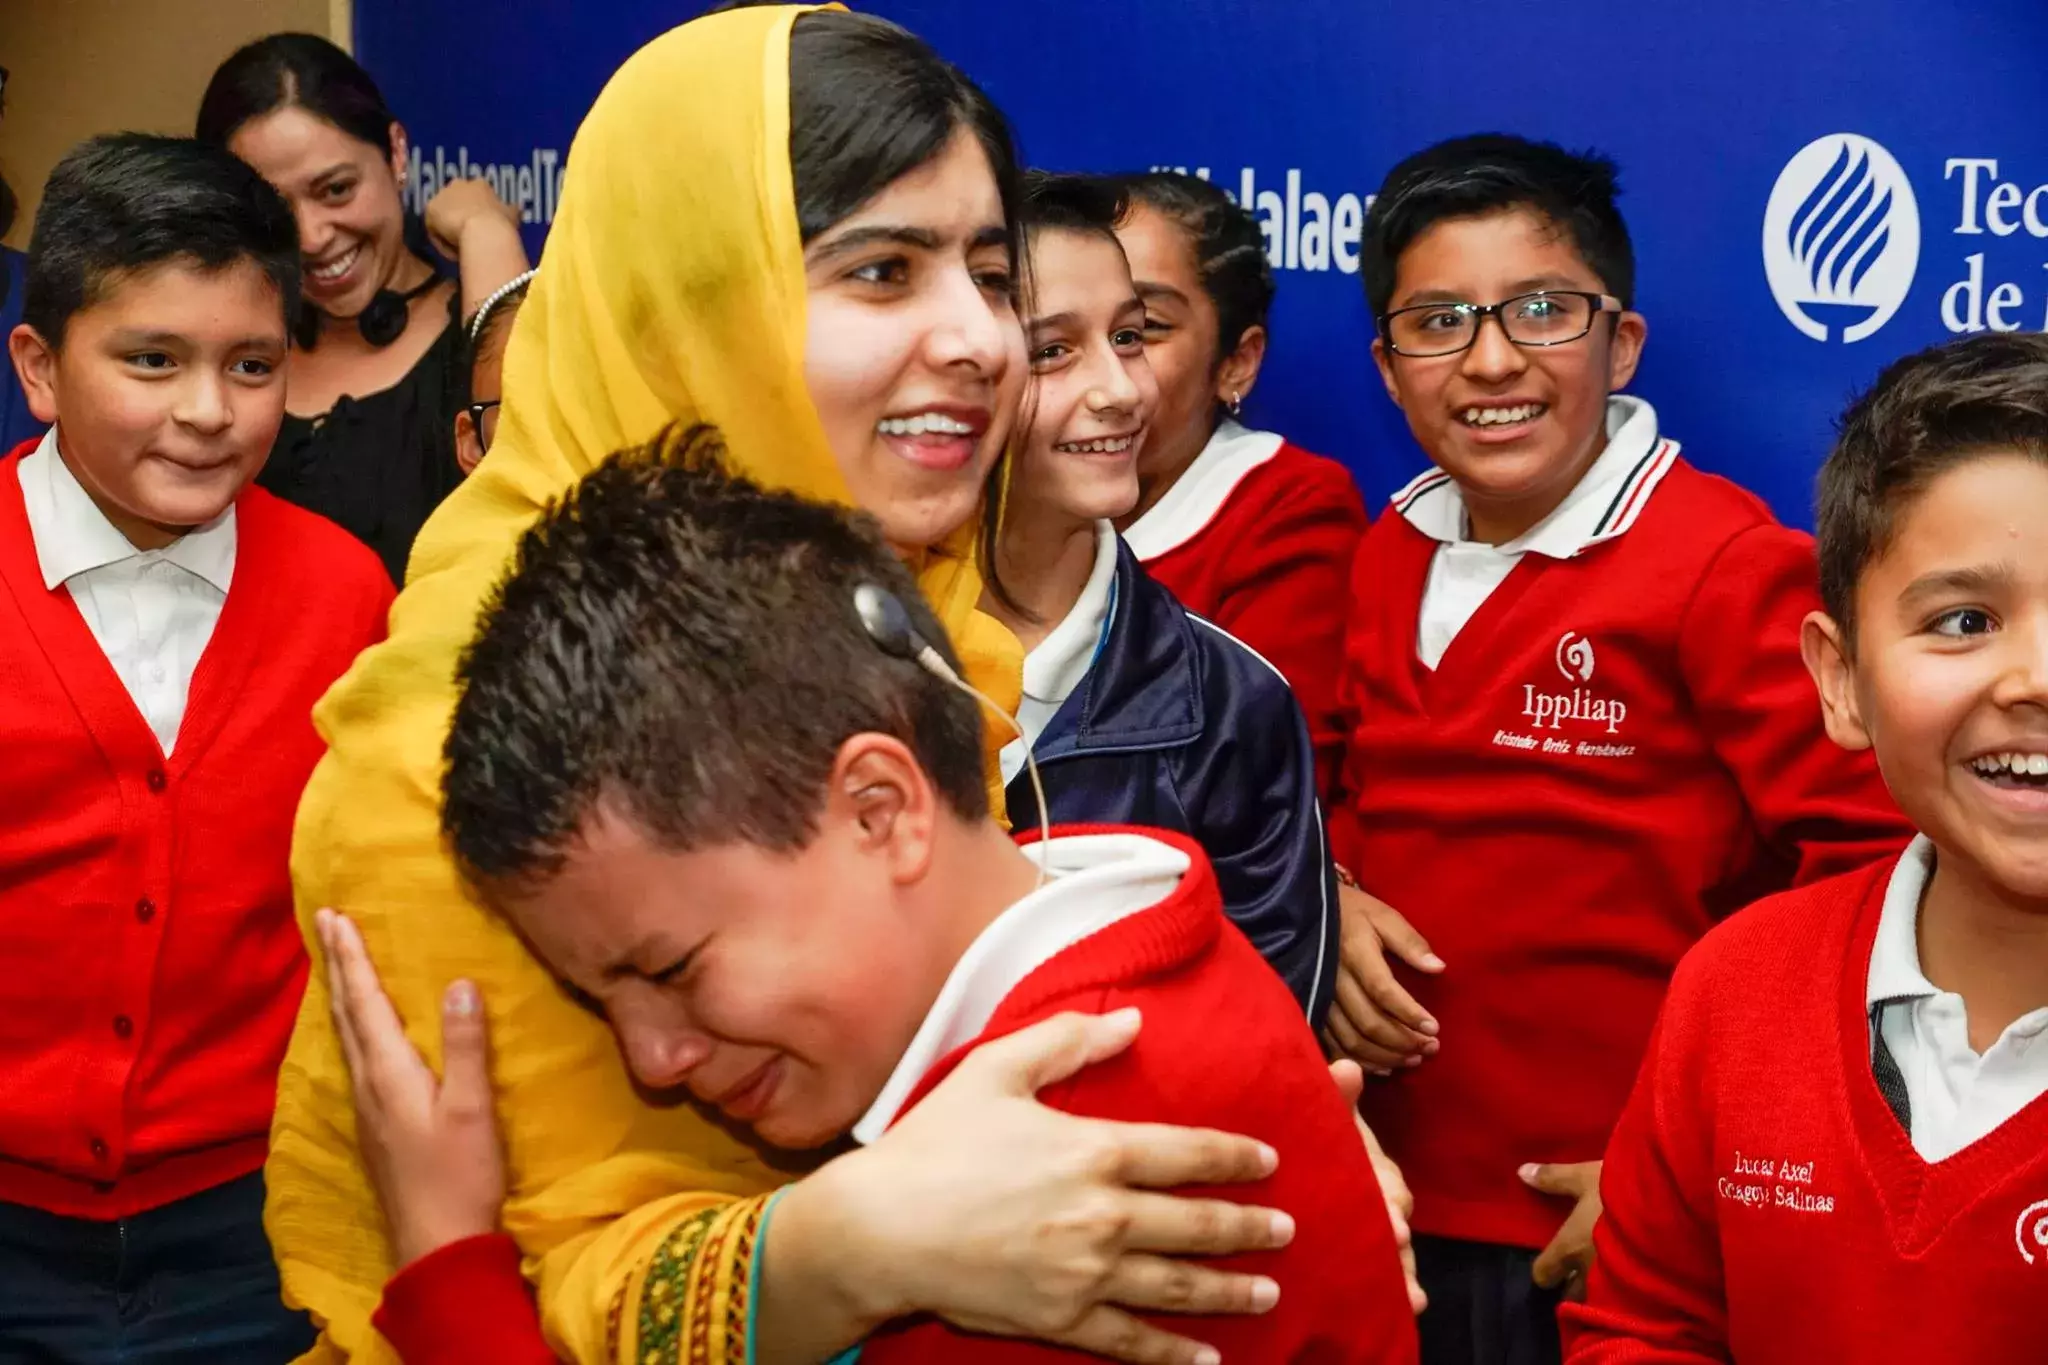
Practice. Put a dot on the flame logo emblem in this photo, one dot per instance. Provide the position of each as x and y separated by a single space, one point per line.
1575 657
1841 237
2032 1228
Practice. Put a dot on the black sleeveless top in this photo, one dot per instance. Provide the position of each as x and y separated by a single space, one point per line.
379 464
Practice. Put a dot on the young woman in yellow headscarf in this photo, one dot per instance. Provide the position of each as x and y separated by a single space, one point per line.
806 243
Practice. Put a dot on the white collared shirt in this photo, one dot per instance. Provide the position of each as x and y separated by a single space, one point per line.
1187 508
152 611
1957 1096
1055 668
1092 881
1603 504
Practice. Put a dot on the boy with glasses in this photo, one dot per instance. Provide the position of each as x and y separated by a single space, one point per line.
1582 730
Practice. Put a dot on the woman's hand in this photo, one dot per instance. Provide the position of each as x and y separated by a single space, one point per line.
431 1148
1003 1216
457 206
471 226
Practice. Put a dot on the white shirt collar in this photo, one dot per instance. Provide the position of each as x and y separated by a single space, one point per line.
1895 972
1605 502
1093 881
72 536
1055 668
1187 508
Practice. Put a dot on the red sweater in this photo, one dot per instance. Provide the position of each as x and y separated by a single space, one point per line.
1617 750
150 968
1763 1204
1223 1046
1263 547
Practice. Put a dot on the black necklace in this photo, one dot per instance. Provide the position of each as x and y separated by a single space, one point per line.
381 322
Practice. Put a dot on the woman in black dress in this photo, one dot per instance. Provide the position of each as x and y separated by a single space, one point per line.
378 371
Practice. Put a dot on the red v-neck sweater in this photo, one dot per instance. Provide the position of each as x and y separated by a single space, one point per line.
1763 1204
1273 567
150 968
1223 1046
1617 750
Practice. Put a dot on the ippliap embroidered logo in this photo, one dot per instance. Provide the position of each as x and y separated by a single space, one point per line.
1545 707
2031 1233
1575 657
1841 237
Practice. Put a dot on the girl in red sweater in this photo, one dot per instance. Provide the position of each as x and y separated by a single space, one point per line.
1838 1147
1248 531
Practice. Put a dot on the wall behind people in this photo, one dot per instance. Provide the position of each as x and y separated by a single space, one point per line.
79 67
1813 189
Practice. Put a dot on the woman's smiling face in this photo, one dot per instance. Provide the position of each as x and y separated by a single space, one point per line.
913 355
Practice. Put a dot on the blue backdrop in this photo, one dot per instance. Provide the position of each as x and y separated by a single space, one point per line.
1815 186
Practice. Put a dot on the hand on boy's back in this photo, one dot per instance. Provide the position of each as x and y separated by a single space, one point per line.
1569 1257
456 206
1375 1021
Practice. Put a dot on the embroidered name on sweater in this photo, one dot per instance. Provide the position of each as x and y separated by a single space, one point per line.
1773 1182
1553 710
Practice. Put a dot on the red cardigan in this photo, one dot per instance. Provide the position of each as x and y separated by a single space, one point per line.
1223 1046
1763 1204
150 968
1269 561
1619 749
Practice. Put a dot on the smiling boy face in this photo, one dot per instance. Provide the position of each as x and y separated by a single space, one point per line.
1515 426
1947 678
168 390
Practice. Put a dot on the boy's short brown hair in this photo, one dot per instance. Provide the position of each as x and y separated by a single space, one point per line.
683 642
1926 414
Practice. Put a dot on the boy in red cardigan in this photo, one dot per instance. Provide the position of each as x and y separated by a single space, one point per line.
774 871
1582 731
1838 1147
164 631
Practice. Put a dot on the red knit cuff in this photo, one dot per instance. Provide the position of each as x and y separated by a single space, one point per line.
464 1302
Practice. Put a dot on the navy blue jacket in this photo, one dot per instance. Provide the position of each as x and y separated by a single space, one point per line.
1179 726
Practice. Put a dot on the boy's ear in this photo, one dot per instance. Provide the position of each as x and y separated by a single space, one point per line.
1830 660
885 801
1625 350
35 364
1239 371
1384 358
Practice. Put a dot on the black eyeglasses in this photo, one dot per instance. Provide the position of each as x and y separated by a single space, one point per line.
1549 317
484 432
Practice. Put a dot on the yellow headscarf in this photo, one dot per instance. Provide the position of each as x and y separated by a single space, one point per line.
672 289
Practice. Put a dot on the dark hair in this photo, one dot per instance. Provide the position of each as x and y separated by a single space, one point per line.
497 326
1926 414
127 201
294 70
680 641
870 102
1228 246
1467 177
1063 202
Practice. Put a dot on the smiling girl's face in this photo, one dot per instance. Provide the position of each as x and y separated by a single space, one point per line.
1093 391
913 354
